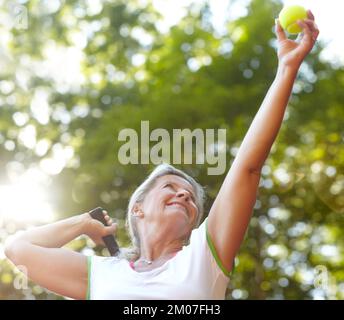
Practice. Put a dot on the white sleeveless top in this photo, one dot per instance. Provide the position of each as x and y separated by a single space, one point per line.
194 273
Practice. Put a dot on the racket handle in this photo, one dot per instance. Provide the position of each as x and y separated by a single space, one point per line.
109 240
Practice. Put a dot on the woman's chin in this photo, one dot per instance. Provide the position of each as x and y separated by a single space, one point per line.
179 214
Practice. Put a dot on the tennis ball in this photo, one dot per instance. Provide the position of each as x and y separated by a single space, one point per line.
288 18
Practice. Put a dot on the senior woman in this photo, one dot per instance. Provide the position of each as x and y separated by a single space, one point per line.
177 256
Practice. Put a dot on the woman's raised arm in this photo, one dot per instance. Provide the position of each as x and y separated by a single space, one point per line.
233 206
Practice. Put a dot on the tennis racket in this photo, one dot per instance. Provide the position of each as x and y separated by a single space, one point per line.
110 242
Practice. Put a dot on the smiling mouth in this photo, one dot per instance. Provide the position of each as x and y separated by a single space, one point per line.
177 205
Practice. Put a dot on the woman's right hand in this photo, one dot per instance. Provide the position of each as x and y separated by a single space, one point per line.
96 230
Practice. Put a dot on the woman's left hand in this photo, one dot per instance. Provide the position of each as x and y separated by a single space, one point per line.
291 53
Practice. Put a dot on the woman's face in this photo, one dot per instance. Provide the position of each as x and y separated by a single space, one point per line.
172 201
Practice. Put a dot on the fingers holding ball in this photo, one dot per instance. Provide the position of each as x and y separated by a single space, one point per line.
289 17
296 19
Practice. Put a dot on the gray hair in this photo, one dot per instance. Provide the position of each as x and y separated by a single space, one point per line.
142 190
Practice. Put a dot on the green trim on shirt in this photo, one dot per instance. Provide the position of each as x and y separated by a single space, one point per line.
89 265
215 255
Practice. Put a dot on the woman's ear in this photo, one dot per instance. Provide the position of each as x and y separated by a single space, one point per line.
137 212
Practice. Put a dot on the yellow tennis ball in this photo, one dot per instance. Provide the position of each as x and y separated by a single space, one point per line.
288 18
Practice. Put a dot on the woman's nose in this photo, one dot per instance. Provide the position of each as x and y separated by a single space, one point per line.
183 194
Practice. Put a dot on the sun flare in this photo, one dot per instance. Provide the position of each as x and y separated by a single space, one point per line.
24 201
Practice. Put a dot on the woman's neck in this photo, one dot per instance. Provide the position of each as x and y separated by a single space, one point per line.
152 249
143 264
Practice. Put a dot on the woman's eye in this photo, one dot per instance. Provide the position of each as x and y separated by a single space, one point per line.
169 185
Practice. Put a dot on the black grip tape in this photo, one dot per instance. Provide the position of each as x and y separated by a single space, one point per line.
109 240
